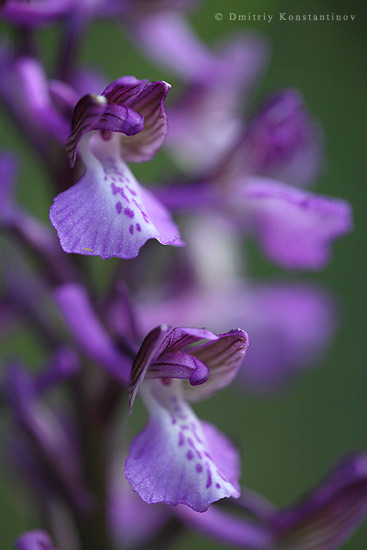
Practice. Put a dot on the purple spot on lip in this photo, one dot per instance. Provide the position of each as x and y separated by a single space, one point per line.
116 190
129 213
131 229
131 191
199 468
217 485
209 476
181 439
138 228
189 455
118 207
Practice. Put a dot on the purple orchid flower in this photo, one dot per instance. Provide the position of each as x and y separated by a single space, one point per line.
88 332
294 227
283 141
291 326
35 13
34 540
32 103
204 123
46 441
107 213
176 458
31 232
323 520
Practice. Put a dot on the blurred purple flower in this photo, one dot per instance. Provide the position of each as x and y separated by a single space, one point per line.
205 121
25 88
88 332
34 540
37 13
46 439
283 142
132 521
174 440
107 213
291 325
29 231
323 520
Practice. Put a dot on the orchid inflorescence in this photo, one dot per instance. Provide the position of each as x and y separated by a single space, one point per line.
237 179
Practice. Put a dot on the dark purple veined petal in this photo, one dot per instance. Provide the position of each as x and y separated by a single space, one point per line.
328 516
174 459
145 356
223 357
92 112
147 99
34 540
164 354
323 520
179 365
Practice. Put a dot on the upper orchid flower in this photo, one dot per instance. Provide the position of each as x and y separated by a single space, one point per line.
176 458
107 213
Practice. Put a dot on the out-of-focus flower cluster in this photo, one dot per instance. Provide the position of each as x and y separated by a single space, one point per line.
239 178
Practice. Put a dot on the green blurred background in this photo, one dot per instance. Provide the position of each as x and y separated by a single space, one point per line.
288 440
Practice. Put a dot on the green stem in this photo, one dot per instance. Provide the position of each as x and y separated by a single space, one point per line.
93 526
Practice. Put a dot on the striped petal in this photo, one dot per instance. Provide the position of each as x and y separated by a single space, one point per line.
171 353
328 517
223 357
147 99
161 356
93 112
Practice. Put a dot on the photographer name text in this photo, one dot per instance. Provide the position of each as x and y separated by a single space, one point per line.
285 16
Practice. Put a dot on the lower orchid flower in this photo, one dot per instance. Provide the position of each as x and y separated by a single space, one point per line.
322 520
178 459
